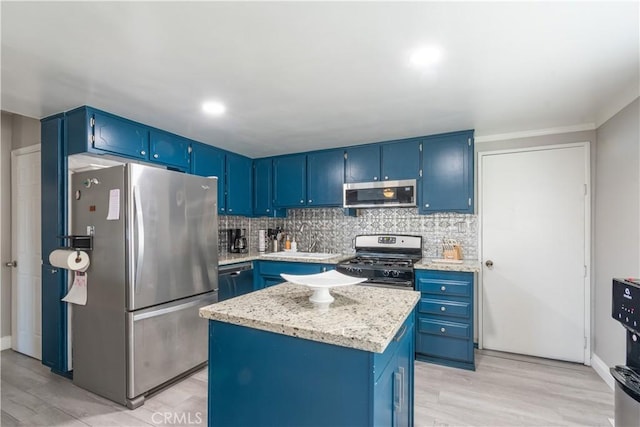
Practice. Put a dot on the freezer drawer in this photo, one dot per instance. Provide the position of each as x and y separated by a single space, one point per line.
165 341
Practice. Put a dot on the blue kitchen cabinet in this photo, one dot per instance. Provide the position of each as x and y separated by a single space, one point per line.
388 161
210 161
169 149
53 225
444 318
267 273
239 185
400 160
447 180
325 177
290 181
94 131
299 382
362 163
263 189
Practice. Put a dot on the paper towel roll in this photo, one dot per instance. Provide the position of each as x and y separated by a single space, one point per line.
69 259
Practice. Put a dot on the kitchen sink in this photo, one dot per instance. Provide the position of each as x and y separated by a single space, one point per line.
304 255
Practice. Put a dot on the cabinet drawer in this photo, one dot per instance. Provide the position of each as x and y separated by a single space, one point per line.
444 328
444 347
445 308
444 287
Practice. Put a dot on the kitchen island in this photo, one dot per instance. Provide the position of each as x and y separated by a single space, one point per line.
276 359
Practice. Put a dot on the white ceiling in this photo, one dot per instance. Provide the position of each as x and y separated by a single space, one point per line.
297 76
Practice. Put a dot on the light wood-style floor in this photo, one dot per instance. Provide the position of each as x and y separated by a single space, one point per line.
505 390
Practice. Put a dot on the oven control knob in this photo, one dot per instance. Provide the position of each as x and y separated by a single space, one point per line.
395 273
385 273
358 270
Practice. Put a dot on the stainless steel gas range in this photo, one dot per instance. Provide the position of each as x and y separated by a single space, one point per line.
386 260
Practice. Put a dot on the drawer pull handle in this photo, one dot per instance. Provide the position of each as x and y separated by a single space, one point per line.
443 288
443 330
400 334
443 308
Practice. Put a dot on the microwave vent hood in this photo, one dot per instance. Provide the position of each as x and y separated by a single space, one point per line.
380 194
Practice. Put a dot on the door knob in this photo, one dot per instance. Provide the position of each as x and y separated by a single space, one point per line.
489 263
11 264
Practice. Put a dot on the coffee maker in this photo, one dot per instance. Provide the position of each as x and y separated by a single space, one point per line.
237 241
626 310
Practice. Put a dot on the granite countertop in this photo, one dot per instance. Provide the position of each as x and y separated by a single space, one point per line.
226 259
361 317
468 265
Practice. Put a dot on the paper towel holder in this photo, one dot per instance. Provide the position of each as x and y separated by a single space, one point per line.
78 243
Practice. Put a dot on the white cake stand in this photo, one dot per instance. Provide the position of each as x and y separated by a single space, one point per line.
322 283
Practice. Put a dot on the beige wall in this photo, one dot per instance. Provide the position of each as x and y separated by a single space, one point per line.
617 223
17 132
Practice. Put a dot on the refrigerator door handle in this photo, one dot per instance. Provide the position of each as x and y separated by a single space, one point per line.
137 207
200 301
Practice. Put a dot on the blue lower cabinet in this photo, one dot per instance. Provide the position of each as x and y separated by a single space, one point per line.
259 378
444 318
267 273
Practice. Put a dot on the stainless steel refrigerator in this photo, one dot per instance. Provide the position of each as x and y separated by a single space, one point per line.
154 263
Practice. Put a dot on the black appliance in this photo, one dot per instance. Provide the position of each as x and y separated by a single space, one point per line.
386 260
625 309
237 241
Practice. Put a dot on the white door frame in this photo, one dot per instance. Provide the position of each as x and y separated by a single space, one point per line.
587 235
35 148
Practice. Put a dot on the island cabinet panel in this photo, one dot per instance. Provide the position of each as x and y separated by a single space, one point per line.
259 378
267 273
325 177
239 185
169 149
447 173
290 181
444 318
210 161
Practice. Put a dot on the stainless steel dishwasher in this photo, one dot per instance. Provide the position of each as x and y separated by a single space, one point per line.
234 280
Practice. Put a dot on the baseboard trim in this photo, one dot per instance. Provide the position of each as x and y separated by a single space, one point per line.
5 343
602 369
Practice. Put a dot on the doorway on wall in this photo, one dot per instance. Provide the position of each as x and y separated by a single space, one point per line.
26 281
534 211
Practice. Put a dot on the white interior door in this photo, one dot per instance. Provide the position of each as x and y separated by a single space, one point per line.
26 249
534 221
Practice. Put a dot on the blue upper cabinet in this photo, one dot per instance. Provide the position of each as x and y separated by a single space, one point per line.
106 132
170 149
400 160
210 161
263 189
239 195
325 176
447 165
362 163
290 181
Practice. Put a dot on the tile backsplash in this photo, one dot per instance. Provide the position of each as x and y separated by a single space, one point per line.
333 231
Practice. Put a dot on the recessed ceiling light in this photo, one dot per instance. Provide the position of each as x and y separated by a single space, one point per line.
425 56
214 108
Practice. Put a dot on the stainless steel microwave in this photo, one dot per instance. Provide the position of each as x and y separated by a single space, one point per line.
380 194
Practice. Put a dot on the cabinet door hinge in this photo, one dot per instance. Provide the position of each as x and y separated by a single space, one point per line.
469 202
93 138
420 173
345 155
469 141
421 147
189 150
93 122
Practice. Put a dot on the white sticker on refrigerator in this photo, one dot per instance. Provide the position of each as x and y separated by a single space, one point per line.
114 204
